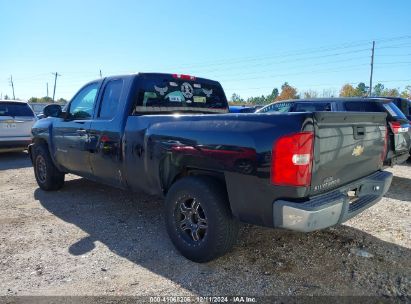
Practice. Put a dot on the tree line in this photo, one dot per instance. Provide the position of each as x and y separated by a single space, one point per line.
40 100
347 90
46 100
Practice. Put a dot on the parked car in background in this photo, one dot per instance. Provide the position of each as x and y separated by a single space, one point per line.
403 104
243 109
39 106
16 120
399 133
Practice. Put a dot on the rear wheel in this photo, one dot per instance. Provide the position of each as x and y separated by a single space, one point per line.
48 177
198 219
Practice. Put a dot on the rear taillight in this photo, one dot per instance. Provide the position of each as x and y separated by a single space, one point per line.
292 158
397 128
184 77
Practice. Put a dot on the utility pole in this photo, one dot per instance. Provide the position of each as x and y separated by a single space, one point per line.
372 67
101 75
12 85
55 82
47 85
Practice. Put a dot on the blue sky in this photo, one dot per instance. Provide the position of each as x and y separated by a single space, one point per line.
249 46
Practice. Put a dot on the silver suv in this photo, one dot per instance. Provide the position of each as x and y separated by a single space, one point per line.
16 120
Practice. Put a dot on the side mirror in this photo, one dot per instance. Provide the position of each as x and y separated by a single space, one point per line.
52 110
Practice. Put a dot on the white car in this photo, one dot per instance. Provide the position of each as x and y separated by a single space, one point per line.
16 120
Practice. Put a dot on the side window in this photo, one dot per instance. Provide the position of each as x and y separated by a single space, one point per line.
82 106
111 98
312 107
266 109
357 106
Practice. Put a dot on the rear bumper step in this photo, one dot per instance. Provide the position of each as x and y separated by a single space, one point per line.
331 208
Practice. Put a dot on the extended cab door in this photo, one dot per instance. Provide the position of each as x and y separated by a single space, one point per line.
70 135
106 133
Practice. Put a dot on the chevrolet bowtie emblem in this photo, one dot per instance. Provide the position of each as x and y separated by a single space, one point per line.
358 150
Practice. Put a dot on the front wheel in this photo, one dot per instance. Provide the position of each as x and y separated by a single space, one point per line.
198 219
48 177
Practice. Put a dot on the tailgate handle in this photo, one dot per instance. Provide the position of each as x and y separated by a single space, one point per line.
359 132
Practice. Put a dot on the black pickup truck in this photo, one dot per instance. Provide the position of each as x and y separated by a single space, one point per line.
172 135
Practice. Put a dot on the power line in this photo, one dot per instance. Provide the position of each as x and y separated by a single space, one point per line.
315 71
394 55
395 46
265 64
317 85
295 53
295 67
249 62
273 63
36 76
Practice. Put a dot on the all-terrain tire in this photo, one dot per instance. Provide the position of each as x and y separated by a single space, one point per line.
209 198
48 177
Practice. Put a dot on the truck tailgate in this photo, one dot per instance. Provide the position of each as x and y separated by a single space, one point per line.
348 146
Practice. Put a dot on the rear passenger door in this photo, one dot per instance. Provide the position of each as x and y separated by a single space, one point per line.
106 133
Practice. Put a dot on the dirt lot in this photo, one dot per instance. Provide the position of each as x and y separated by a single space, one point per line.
90 239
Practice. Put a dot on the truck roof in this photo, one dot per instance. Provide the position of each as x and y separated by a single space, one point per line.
155 74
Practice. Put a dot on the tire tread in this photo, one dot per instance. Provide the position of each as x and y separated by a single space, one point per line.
55 178
225 224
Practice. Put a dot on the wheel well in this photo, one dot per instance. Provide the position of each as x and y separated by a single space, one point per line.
219 176
37 141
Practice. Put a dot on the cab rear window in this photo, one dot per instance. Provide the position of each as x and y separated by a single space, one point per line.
168 94
15 109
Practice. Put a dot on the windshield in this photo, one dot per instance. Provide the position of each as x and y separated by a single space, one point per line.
369 106
312 107
393 110
38 108
15 109
167 94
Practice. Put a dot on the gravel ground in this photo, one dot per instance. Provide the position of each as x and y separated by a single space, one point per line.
90 239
